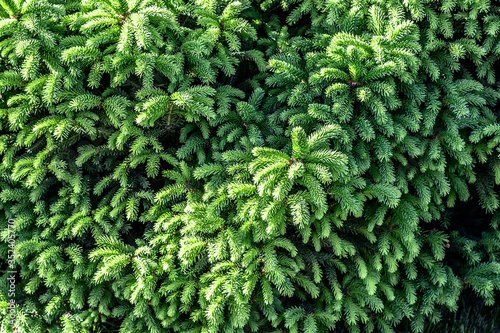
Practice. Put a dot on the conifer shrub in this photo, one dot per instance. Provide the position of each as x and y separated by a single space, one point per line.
247 166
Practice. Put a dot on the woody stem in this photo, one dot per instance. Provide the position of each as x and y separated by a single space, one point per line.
169 114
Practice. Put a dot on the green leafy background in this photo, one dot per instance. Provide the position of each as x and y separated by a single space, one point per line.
248 166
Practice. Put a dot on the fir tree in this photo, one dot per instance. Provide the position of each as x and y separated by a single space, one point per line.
244 166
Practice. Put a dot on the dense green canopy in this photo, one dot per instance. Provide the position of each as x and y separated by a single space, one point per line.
247 166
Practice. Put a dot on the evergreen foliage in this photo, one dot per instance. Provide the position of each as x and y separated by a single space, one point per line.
247 166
